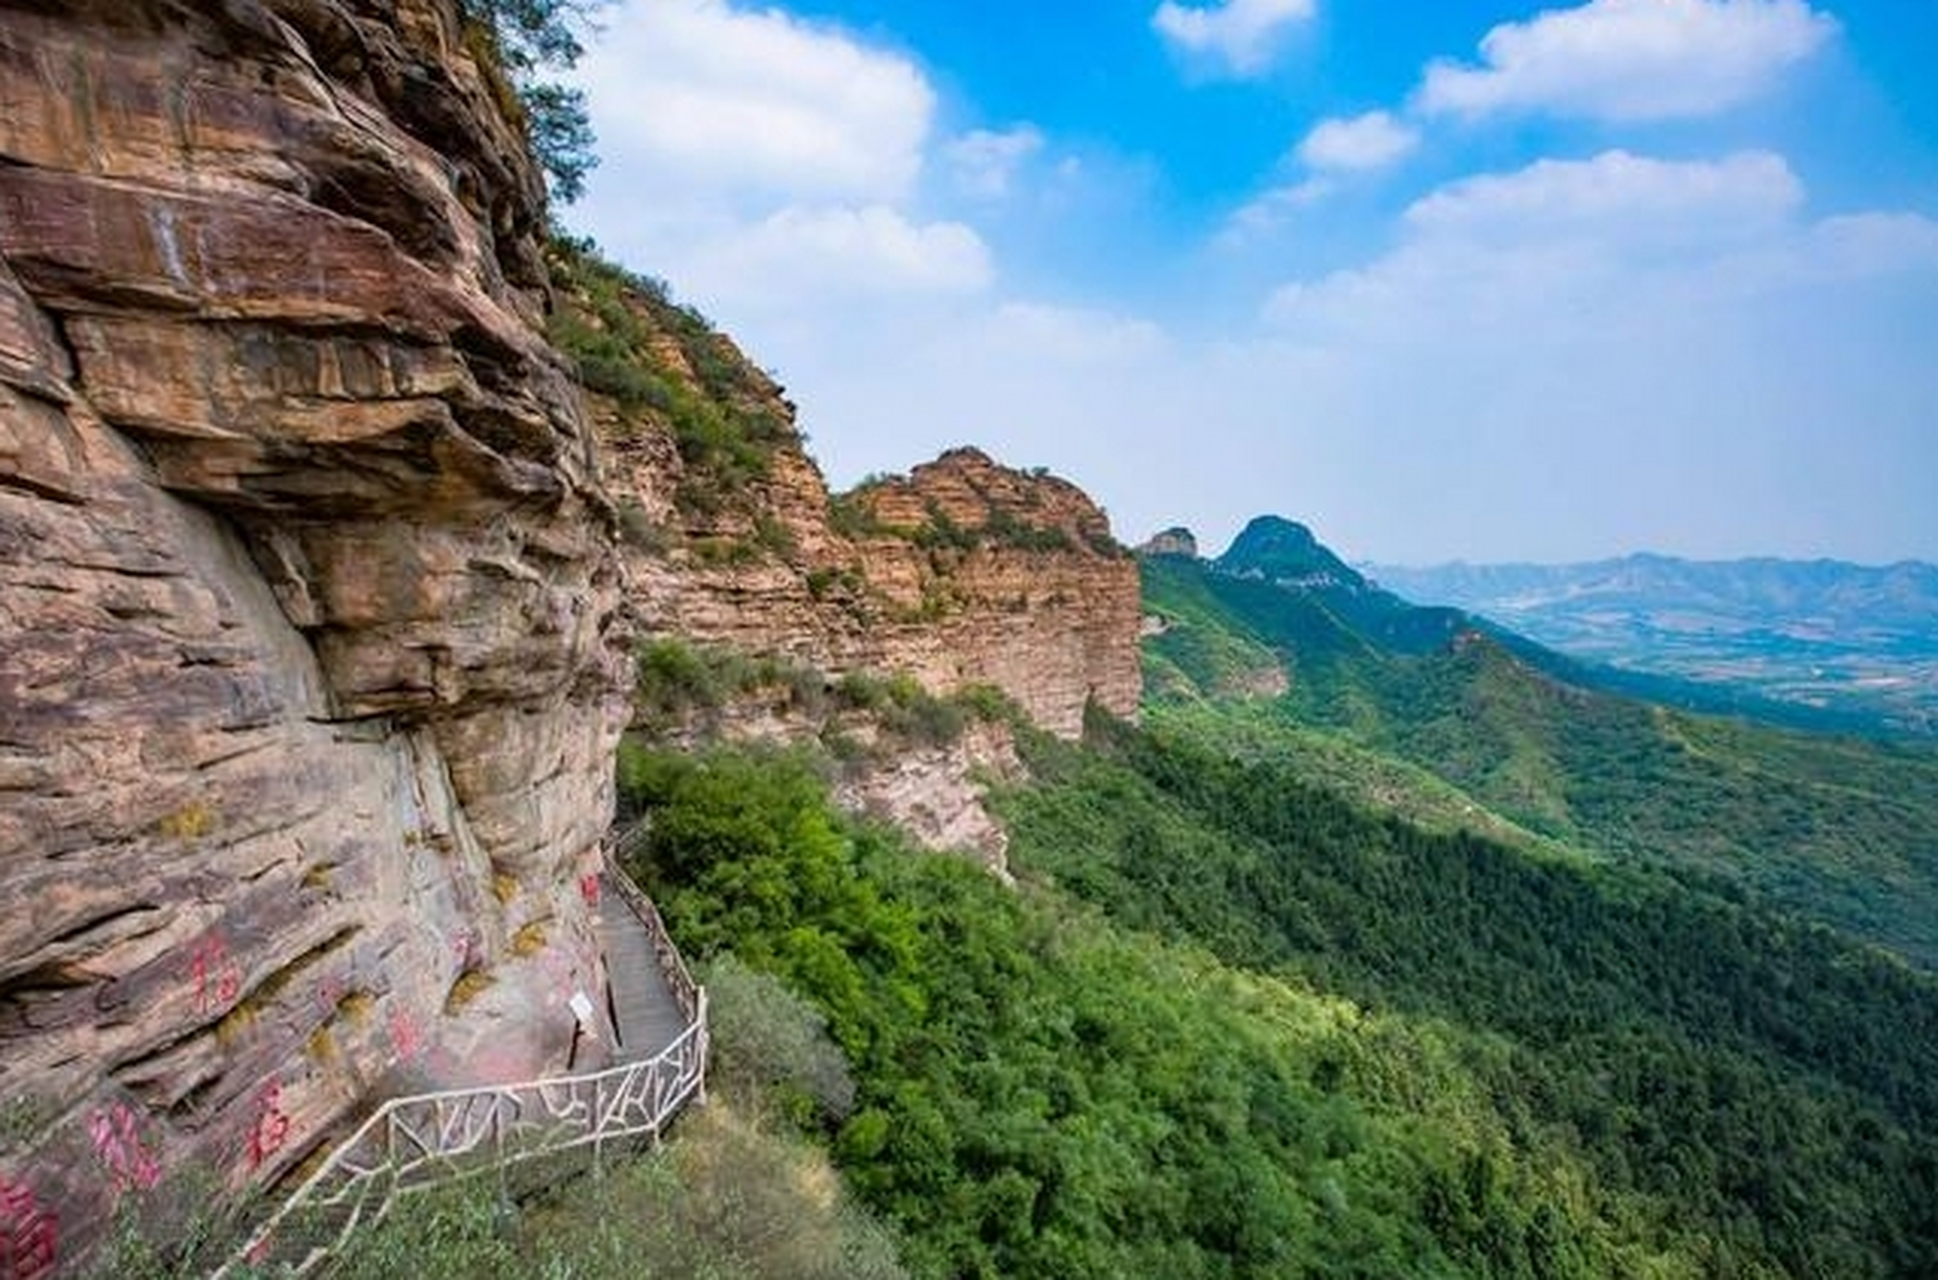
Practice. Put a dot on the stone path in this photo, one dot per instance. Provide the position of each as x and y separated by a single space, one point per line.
649 1018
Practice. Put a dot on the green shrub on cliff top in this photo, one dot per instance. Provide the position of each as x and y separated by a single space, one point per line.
721 411
521 38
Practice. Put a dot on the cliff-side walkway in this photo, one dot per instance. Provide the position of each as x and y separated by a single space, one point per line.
648 977
414 1142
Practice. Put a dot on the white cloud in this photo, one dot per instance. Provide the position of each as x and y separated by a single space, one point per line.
1864 244
1241 35
698 94
1370 141
769 167
1073 335
824 256
1629 60
983 163
1590 347
1572 352
1332 148
1273 209
1616 198
1543 245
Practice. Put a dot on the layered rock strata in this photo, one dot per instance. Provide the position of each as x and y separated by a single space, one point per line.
310 656
964 572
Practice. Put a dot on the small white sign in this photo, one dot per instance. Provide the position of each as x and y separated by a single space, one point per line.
582 1010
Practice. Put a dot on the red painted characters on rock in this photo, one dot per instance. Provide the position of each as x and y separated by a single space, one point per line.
116 1134
217 978
271 1129
29 1233
589 888
403 1035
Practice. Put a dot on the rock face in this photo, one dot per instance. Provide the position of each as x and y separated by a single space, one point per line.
964 572
311 660
315 617
935 794
1175 541
1012 580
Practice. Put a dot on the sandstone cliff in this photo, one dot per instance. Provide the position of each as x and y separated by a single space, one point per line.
963 572
310 666
319 623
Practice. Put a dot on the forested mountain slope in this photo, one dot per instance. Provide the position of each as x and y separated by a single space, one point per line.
1837 829
1231 1025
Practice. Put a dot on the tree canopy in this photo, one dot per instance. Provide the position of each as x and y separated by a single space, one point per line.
530 37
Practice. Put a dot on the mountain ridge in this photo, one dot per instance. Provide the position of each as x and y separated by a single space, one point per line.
1856 641
1552 745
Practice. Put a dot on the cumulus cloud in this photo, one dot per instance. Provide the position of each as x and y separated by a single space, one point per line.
827 255
982 163
1332 149
1370 141
770 166
1631 60
696 94
1239 36
1599 340
1538 245
1616 198
1265 213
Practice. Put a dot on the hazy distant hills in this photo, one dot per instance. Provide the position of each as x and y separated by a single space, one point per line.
1276 648
1854 640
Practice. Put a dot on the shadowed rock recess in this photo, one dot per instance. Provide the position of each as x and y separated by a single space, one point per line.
311 655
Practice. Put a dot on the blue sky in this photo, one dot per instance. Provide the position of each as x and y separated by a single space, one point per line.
1446 280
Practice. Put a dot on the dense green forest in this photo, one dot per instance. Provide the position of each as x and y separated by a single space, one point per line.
1232 1025
1835 828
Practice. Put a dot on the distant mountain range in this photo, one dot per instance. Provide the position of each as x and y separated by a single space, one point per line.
1279 649
1857 644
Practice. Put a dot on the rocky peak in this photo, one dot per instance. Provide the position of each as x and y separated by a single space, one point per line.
965 491
1175 541
962 572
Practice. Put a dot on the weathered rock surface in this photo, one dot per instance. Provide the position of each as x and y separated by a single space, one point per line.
1175 541
936 793
1020 585
311 658
964 572
931 781
314 619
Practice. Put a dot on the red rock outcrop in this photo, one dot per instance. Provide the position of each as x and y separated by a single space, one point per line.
310 661
964 572
1003 577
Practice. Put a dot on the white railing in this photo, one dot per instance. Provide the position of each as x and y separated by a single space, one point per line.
409 1144
686 992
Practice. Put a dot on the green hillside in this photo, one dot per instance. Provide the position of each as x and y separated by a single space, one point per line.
1232 1025
1837 829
